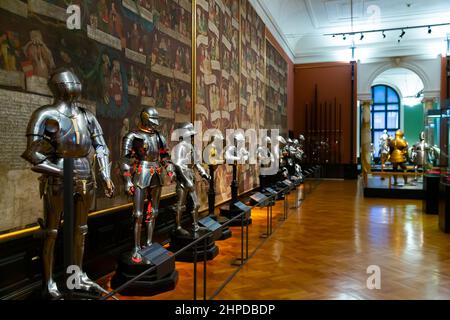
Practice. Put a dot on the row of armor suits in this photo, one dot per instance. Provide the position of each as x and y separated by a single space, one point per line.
67 130
397 150
287 154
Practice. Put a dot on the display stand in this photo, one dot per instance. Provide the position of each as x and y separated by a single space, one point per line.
444 207
244 253
69 223
431 187
230 210
226 232
179 242
164 278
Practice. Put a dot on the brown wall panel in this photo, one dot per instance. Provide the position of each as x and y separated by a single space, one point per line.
334 83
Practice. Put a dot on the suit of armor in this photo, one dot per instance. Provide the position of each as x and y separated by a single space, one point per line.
398 151
144 158
420 153
58 131
184 160
237 152
384 151
283 154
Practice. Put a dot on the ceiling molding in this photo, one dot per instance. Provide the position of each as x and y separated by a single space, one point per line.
273 27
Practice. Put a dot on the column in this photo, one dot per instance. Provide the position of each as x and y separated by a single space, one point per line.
366 139
428 104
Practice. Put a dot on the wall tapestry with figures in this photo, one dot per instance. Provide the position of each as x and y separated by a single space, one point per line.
218 77
252 83
129 54
276 90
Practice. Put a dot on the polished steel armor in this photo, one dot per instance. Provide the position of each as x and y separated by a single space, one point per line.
145 158
65 130
398 152
185 161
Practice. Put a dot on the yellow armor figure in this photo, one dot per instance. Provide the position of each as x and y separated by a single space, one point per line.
398 149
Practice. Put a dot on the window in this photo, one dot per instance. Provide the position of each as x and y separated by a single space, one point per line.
385 113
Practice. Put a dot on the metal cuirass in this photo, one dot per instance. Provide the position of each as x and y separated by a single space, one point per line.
146 149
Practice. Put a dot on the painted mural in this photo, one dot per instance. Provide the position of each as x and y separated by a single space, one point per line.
217 101
276 90
130 54
252 83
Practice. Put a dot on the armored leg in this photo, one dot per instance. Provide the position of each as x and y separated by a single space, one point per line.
53 207
196 206
155 196
138 213
395 168
404 168
82 205
181 207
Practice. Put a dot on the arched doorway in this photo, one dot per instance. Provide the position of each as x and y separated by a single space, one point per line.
397 103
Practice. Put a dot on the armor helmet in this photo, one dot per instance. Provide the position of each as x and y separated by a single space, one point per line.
399 134
301 138
289 140
149 119
281 140
239 137
186 130
268 141
65 85
422 136
295 142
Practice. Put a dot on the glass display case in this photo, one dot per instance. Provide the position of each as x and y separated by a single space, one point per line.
444 189
444 146
432 139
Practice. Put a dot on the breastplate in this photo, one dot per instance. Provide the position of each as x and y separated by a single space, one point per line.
70 135
147 148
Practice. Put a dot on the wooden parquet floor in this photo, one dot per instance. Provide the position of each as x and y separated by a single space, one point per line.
325 247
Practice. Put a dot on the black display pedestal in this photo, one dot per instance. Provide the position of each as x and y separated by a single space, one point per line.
226 232
229 210
444 207
164 278
431 187
178 242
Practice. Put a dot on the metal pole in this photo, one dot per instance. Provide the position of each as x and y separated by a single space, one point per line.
211 191
204 268
69 218
246 241
195 272
242 238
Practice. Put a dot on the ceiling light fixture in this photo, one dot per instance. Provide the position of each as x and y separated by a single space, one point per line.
344 37
382 31
362 37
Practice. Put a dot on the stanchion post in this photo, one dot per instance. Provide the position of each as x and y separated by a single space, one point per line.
195 272
204 267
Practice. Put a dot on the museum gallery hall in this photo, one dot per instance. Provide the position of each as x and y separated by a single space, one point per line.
224 150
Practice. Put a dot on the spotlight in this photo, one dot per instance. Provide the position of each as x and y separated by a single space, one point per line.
384 35
334 36
403 33
429 30
362 37
344 37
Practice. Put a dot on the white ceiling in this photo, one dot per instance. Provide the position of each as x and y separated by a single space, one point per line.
301 25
